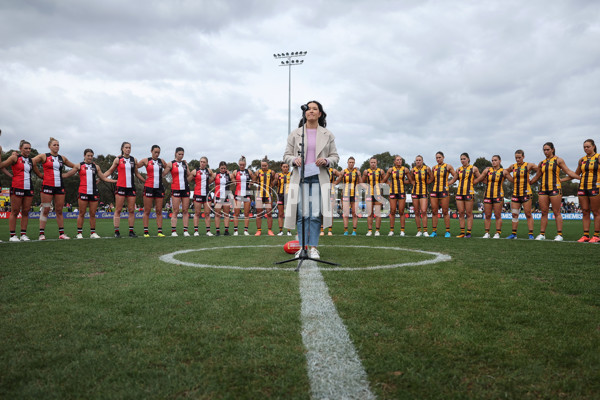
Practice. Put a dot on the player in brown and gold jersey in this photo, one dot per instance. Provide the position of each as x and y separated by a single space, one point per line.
465 174
421 176
589 190
350 178
439 194
282 180
521 196
396 177
373 178
333 175
265 179
494 196
550 190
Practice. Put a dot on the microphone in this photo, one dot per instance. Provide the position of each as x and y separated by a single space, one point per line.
304 107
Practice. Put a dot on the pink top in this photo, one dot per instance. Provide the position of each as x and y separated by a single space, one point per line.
311 146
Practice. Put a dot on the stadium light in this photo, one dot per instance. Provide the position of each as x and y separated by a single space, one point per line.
290 61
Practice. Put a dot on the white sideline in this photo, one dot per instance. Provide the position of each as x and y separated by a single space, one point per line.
334 369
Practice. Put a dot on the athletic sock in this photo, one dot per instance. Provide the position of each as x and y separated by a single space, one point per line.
462 231
80 231
597 233
345 229
42 231
160 230
174 229
391 229
531 232
23 232
61 230
468 231
131 229
145 230
514 232
185 228
447 229
330 229
12 233
92 231
559 233
498 231
401 229
116 230
235 228
586 233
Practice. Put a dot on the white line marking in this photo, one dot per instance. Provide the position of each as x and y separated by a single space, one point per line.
334 368
171 258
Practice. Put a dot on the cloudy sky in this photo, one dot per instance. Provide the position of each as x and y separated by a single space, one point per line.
408 77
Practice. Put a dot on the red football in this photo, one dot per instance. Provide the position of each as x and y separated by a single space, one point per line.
291 247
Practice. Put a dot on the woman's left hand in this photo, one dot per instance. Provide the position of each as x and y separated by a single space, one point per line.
321 162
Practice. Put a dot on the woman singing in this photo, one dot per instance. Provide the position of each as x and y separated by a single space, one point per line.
319 153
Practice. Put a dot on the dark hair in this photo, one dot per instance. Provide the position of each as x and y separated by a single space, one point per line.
466 155
592 143
440 153
322 118
521 152
551 145
178 149
88 151
351 158
222 163
23 142
154 147
122 145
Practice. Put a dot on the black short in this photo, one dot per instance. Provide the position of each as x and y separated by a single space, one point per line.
588 192
180 193
374 199
350 199
200 199
155 193
551 193
398 196
222 200
280 199
439 195
88 197
464 197
21 192
53 190
520 199
419 196
493 200
125 191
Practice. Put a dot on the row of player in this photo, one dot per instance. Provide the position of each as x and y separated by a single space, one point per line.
420 176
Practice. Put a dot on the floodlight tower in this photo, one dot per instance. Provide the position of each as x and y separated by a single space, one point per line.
292 59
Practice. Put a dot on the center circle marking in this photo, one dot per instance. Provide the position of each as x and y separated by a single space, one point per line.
171 259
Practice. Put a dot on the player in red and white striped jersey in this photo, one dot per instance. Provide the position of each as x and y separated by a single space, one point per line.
125 165
88 196
21 190
203 177
154 191
52 186
180 191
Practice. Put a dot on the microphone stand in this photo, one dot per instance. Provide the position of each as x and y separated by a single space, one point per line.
303 249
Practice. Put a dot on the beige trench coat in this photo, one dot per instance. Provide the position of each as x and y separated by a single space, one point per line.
325 148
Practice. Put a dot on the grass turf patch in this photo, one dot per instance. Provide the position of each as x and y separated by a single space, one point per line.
107 318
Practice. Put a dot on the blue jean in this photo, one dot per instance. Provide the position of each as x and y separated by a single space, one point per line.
310 194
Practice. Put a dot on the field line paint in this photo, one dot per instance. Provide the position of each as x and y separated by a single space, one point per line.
334 368
171 258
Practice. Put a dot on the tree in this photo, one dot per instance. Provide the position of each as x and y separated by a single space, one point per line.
384 161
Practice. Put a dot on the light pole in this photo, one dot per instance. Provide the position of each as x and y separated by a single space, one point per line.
291 60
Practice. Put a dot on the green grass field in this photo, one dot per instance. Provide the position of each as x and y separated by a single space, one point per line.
108 319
